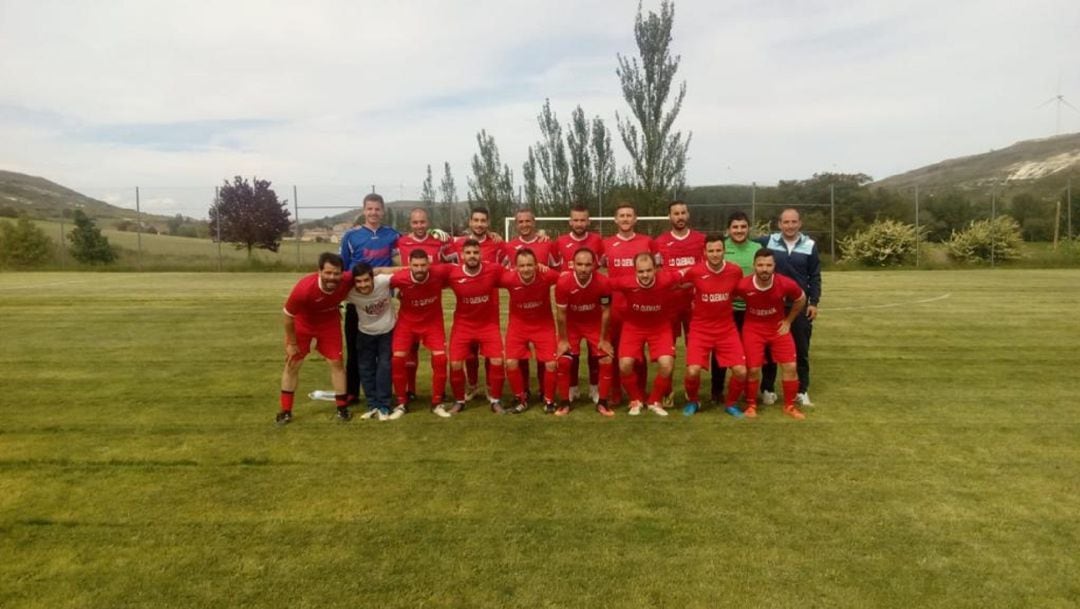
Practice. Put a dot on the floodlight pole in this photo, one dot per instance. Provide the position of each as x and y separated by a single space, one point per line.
217 203
832 221
296 208
138 228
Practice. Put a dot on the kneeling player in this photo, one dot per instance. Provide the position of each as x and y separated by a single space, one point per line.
766 293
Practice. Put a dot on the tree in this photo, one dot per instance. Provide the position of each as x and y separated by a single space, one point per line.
603 158
23 244
1036 217
492 182
553 164
528 173
582 187
88 245
174 223
448 190
658 154
427 192
249 215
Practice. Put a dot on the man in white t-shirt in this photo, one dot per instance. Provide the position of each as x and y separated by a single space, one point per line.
372 299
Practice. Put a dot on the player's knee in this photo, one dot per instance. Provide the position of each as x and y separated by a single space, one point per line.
549 366
336 364
665 366
606 361
738 372
693 371
511 364
626 365
497 361
457 365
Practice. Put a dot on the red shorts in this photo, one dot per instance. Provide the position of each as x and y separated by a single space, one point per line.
462 338
758 336
633 340
542 339
408 334
590 333
327 339
725 343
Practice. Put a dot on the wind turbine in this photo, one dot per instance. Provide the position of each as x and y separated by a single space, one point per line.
1061 101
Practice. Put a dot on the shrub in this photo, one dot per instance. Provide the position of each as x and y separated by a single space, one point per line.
23 244
883 243
998 238
88 245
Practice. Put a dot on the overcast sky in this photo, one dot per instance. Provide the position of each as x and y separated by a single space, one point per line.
175 96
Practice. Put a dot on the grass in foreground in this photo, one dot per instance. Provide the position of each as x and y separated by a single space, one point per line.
139 465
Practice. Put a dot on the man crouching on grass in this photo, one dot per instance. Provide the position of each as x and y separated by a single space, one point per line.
311 313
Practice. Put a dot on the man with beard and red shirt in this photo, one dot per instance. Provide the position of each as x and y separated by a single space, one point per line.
567 245
529 287
582 311
420 237
476 324
679 248
420 321
311 313
712 327
766 294
620 252
647 298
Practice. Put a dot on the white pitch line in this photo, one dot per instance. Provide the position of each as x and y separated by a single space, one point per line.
891 304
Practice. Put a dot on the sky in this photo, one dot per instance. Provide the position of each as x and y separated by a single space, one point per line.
335 97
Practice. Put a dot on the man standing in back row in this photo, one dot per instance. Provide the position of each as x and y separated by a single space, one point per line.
567 246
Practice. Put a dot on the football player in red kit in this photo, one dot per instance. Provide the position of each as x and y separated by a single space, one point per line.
419 237
476 324
582 311
530 322
567 245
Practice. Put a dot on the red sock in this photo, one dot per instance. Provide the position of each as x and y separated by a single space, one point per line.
438 378
472 370
457 383
752 386
564 374
341 399
287 400
660 387
517 382
496 374
399 376
606 374
735 387
630 385
594 369
790 389
548 377
692 384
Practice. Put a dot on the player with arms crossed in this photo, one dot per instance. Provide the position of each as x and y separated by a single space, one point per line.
567 245
476 324
420 321
648 296
582 311
529 287
712 329
766 294
311 313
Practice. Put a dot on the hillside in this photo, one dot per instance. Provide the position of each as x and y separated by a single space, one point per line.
1041 167
40 198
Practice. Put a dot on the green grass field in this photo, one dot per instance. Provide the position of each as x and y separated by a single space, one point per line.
139 466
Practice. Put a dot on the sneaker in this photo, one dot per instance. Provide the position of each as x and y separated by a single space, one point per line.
322 394
604 410
441 411
767 398
521 406
573 393
691 409
457 407
283 417
343 414
549 408
750 412
668 401
397 413
635 408
563 410
657 410
794 412
594 394
803 399
734 411
496 407
370 414
471 392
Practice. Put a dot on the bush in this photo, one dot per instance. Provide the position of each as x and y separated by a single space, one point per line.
23 244
883 243
998 238
88 245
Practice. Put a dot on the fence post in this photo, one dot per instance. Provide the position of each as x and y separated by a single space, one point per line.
993 216
1068 208
138 229
63 258
296 208
917 226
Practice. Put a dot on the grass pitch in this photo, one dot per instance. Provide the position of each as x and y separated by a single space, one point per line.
139 466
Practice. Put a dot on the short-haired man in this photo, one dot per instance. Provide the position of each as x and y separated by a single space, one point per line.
371 297
420 236
797 257
530 323
567 245
311 314
739 249
679 248
582 312
768 295
647 297
420 321
620 251
476 324
712 329
375 244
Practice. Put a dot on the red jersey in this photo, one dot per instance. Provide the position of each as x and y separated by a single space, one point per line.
421 303
310 305
583 303
646 306
619 253
713 293
546 252
767 306
489 250
530 303
567 245
477 297
432 246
